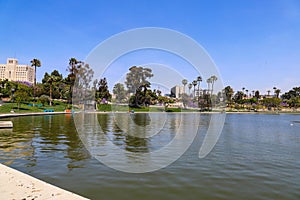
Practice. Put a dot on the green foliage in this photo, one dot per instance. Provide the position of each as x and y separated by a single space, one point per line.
137 78
44 99
103 92
120 92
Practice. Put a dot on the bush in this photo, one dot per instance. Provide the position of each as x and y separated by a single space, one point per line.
44 99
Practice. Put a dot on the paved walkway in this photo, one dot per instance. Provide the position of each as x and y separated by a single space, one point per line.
19 186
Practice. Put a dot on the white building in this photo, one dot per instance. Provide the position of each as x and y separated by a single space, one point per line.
15 72
176 91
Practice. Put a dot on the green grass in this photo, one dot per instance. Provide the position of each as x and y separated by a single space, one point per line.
24 108
124 108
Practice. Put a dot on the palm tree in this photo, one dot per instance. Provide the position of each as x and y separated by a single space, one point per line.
51 79
208 81
35 63
274 88
190 87
184 82
277 92
213 80
268 92
194 84
199 79
247 93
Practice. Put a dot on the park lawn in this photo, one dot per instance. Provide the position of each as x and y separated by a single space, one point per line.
124 108
25 108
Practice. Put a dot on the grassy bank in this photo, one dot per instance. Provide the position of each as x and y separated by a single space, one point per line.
23 108
124 108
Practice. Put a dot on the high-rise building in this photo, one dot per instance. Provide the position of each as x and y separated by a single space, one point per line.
177 91
15 72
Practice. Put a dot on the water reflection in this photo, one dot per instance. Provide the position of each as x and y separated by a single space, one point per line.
37 137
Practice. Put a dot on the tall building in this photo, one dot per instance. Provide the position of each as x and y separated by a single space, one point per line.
176 91
15 72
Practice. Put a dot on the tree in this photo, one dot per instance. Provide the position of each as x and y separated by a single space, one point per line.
257 94
238 97
228 93
103 93
199 80
73 69
213 80
277 92
35 63
137 83
51 80
119 91
56 88
190 87
137 77
194 84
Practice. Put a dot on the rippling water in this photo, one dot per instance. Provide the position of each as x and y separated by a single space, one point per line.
256 157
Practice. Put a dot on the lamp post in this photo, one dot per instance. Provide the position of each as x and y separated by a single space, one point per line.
12 99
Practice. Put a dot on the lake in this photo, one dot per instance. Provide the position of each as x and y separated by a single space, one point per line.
257 156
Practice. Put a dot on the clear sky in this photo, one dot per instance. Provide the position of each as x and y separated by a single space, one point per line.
254 43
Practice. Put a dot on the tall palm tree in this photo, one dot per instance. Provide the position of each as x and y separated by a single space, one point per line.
274 88
268 92
277 92
190 87
213 80
184 82
199 79
194 84
247 93
208 81
51 80
35 63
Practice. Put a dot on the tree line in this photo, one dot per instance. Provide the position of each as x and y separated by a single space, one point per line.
136 90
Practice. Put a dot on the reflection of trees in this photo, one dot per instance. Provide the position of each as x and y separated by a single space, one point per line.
58 134
123 132
142 119
17 143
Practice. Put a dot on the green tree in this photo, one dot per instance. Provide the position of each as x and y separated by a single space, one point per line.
119 91
238 97
73 69
257 95
137 83
103 93
277 92
228 93
52 80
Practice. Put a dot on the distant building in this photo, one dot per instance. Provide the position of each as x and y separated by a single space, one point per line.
176 91
15 72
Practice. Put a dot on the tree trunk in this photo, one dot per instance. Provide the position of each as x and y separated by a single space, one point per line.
50 95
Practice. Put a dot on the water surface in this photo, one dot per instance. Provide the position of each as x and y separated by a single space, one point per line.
256 157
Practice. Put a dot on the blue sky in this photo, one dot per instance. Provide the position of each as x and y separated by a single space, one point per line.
255 44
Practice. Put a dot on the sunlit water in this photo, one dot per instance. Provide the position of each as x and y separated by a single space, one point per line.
256 157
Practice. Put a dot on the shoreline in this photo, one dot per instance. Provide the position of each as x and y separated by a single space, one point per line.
8 115
18 185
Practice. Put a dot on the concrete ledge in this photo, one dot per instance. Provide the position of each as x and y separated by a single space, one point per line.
31 114
17 185
6 124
